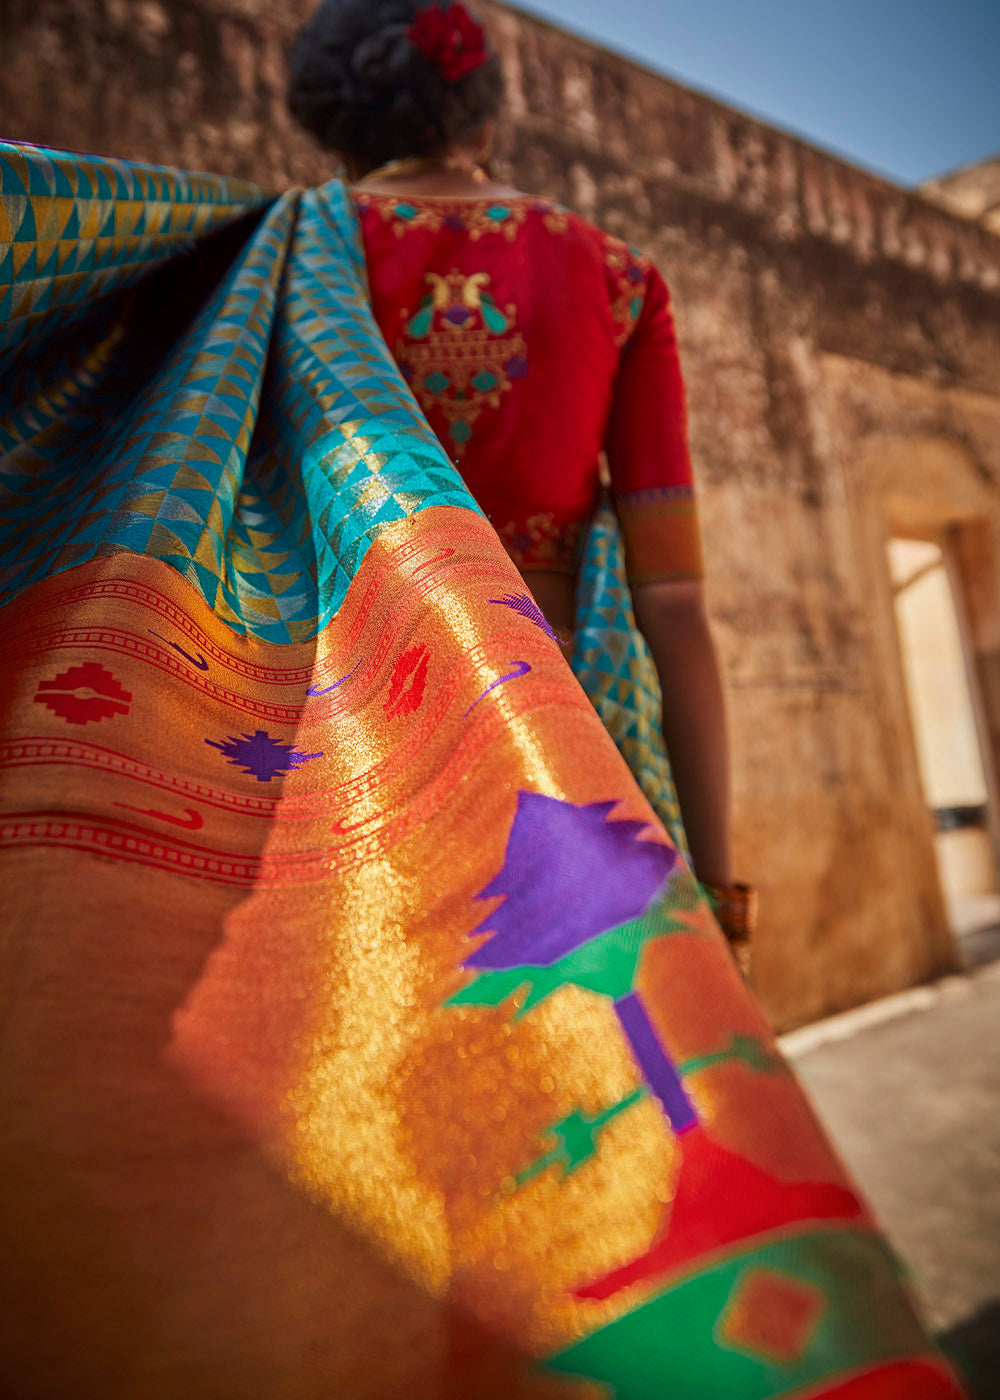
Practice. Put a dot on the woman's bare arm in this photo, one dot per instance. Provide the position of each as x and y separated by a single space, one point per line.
673 619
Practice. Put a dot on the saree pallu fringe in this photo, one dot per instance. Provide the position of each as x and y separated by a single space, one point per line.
365 1034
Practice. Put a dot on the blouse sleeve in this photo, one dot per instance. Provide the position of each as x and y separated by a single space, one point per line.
647 448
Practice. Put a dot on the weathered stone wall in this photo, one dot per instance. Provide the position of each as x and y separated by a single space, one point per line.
841 340
197 83
972 192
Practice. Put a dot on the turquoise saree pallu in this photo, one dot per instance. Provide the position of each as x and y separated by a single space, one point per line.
365 1033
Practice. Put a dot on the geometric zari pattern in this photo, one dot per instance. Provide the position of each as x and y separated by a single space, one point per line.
75 227
613 664
205 401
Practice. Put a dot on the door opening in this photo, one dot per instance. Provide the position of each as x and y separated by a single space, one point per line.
945 726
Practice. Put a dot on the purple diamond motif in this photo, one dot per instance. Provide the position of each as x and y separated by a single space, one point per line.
516 367
264 757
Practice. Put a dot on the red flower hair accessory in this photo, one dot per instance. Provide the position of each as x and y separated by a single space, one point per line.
451 39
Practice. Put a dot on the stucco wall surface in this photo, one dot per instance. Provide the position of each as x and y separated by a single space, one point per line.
841 343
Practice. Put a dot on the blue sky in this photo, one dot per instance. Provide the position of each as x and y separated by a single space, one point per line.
908 88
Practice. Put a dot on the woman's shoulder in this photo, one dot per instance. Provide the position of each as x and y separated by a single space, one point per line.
628 273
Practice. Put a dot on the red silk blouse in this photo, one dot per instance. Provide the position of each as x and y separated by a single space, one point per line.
534 342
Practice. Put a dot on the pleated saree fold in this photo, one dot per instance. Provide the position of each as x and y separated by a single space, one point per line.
364 1032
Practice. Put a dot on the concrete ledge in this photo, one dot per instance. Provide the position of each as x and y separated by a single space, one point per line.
847 1024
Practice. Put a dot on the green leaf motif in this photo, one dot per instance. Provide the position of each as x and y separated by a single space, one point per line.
494 318
576 1137
420 322
748 1048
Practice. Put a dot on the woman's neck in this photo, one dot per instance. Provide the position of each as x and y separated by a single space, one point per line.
454 176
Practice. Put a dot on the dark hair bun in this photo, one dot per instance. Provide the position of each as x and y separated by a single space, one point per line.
362 87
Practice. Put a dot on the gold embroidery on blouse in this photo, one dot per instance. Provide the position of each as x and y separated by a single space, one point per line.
460 351
474 217
541 541
630 276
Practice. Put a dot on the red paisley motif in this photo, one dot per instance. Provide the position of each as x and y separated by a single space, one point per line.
409 677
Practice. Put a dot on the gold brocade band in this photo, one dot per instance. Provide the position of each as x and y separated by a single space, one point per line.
662 539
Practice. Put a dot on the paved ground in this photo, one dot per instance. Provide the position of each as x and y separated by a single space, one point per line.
912 1101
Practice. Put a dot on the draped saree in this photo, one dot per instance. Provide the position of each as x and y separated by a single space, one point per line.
364 1032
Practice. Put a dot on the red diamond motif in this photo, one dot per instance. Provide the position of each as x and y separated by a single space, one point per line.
771 1314
84 693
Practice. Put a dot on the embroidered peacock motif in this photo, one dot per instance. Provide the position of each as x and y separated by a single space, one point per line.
460 352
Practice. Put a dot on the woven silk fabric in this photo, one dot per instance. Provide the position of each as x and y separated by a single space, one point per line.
364 1033
614 665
